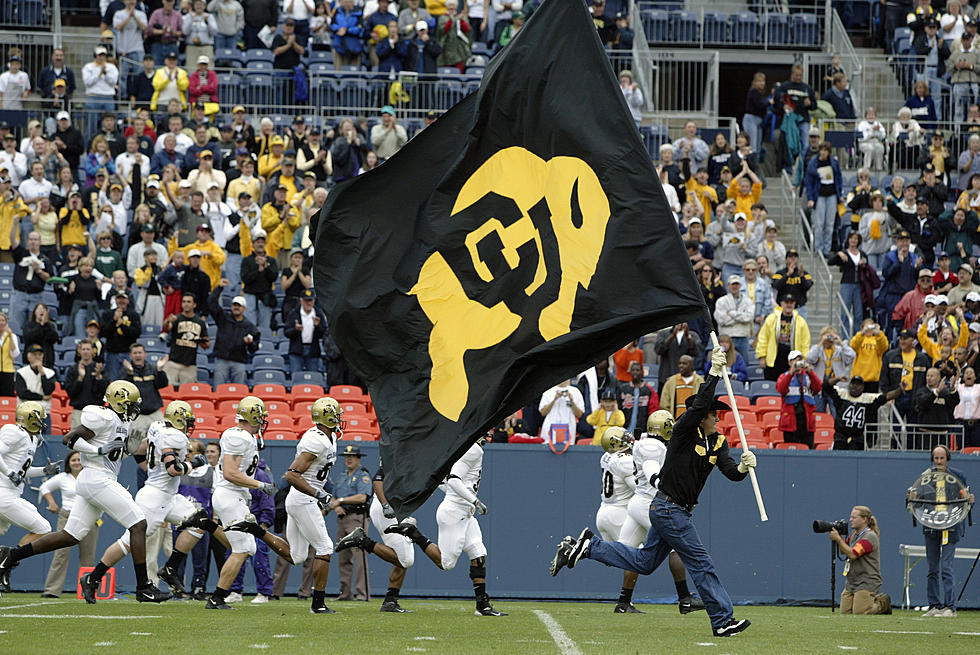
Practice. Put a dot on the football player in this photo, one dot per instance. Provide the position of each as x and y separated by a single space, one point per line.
458 529
240 447
316 454
165 453
618 483
17 444
396 549
101 438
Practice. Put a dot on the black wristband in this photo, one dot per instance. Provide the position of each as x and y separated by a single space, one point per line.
139 458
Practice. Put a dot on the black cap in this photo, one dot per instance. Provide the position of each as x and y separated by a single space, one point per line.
857 378
906 333
35 348
307 294
922 199
792 252
785 297
351 450
171 55
901 234
930 22
608 393
715 405
244 193
930 167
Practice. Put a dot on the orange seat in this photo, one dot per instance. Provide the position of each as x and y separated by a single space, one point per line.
304 392
231 390
971 450
195 390
347 392
226 421
355 407
823 446
823 420
362 424
769 420
358 436
226 407
278 406
202 407
823 435
206 423
207 433
768 403
269 392
301 409
8 416
789 446
280 435
752 433
8 402
774 434
281 422
168 393
758 444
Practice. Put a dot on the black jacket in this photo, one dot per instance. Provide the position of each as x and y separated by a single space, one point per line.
921 47
35 284
85 391
256 282
74 145
430 53
119 338
891 371
149 381
296 336
230 343
46 335
933 409
197 283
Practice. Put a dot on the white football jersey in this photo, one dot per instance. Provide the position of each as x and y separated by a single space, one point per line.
236 441
324 450
107 427
648 457
17 450
469 469
617 478
159 439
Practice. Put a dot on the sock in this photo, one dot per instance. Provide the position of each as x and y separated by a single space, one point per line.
682 590
209 527
480 590
99 571
625 596
141 578
368 545
418 538
219 595
176 559
21 552
392 594
318 596
257 531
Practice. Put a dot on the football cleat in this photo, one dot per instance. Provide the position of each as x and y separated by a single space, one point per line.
217 605
247 524
580 547
405 528
733 627
321 609
199 520
150 594
393 606
170 576
5 567
690 604
88 586
199 594
560 560
484 608
354 540
626 608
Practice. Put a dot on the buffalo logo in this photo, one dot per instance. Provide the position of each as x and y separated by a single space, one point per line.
526 234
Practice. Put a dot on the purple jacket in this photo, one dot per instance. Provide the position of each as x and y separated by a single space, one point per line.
263 507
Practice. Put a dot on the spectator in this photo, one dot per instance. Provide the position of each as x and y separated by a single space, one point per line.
922 106
720 157
258 276
85 382
731 241
830 360
869 346
969 161
871 139
637 399
906 130
561 407
12 210
912 305
965 81
423 51
734 314
168 155
203 84
56 70
295 279
933 52
130 159
34 381
305 327
756 106
120 327
64 185
454 36
205 175
783 331
212 255
9 352
759 291
314 157
285 177
129 25
679 387
229 19
45 222
54 162
943 280
288 49
412 14
711 288
874 229
165 31
41 330
120 200
824 191
388 136
259 14
237 338
149 303
692 148
199 28
934 406
188 332
279 220
799 96
98 158
14 161
170 82
101 78
967 411
794 281
769 245
625 356
69 140
964 285
35 187
391 51
271 162
840 99
735 362
799 386
605 416
904 368
31 272
15 84
852 308
195 281
84 293
149 379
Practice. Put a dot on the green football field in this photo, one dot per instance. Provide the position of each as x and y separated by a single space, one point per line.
31 625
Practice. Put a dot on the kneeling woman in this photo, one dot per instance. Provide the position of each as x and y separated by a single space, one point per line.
863 568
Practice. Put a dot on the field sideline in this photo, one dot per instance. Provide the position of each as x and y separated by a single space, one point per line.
31 625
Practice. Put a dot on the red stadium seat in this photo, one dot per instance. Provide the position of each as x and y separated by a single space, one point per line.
347 392
768 402
789 446
971 450
769 420
752 433
202 407
524 438
196 391
231 390
168 393
356 407
280 435
207 434
278 406
304 392
301 409
823 446
269 392
823 420
8 402
823 435
281 422
774 434
358 436
361 424
8 416
206 423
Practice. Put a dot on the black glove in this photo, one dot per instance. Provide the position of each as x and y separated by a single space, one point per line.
197 461
16 477
52 468
111 448
267 488
387 510
323 499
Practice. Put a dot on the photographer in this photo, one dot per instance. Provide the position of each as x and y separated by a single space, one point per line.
799 387
561 408
863 568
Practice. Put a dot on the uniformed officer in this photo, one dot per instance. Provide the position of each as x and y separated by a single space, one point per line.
694 449
352 497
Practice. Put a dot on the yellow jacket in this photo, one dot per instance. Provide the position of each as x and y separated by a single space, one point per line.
7 363
706 195
252 188
869 351
269 164
932 348
160 82
11 209
768 341
744 203
210 265
280 235
601 423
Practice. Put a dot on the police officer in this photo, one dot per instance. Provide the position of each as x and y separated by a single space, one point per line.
352 497
692 452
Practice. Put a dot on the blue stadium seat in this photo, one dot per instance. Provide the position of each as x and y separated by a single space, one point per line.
266 347
447 93
258 54
654 136
777 29
321 57
269 361
715 27
655 24
805 30
684 26
471 87
6 283
762 388
323 92
309 377
321 68
351 68
229 89
738 387
482 50
413 126
259 89
259 65
475 70
352 92
269 376
745 28
447 70
228 58
903 46
280 121
6 269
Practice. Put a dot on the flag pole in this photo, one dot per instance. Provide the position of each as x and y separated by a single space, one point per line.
741 434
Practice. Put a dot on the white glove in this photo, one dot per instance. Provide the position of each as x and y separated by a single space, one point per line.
746 462
718 361
267 488
481 509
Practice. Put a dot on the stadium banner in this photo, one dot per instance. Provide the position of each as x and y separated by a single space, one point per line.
511 244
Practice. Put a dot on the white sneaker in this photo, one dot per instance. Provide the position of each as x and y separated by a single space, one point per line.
933 611
947 613
258 600
234 597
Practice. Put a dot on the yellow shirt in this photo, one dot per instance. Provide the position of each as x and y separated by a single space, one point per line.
603 420
744 203
11 209
706 195
907 360
269 164
73 232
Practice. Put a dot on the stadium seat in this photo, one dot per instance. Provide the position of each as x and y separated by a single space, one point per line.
823 420
762 388
684 26
782 445
447 70
258 54
745 28
752 433
777 29
358 436
356 407
207 434
524 438
267 347
309 377
205 423
345 391
201 407
278 406
266 391
768 402
226 408
152 344
231 390
362 424
195 390
971 450
268 361
447 93
269 376
321 57
737 386
281 422
823 446
769 419
474 70
169 393
823 435
259 89
228 58
353 92
305 392
805 30
301 411
656 25
280 435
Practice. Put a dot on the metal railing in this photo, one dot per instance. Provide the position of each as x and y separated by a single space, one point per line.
896 434
840 44
29 15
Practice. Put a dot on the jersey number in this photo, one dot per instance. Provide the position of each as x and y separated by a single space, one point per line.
853 416
321 475
250 471
151 455
607 484
26 467
114 456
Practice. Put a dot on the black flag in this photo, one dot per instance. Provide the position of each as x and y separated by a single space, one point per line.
510 245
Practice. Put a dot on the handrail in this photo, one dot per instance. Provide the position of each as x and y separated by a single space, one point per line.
840 43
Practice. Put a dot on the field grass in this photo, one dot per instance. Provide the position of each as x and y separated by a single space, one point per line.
29 625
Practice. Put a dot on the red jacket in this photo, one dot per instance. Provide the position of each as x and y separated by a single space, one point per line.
787 413
209 88
910 308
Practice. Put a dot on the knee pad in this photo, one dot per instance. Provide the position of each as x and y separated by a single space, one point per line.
479 570
123 542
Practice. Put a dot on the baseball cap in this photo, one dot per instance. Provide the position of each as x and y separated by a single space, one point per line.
100 50
793 354
147 227
307 294
900 234
792 252
242 194
922 199
432 114
906 333
93 322
943 254
207 153
966 267
771 225
309 174
237 109
63 115
942 299
60 82
725 169
388 109
14 57
115 186
225 127
153 184
203 59
185 184
204 226
194 252
299 119
259 234
421 25
931 22
925 272
787 297
35 348
734 279
973 296
4 180
694 220
931 299
121 294
239 300
276 140
814 131
282 186
929 168
296 250
974 327
857 378
740 215
214 185
172 54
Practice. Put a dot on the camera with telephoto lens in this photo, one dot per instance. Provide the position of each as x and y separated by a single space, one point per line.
826 526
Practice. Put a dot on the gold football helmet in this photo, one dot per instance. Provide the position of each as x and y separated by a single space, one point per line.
328 414
252 410
179 414
615 439
123 398
660 424
30 416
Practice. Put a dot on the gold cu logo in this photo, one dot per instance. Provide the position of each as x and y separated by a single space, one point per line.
526 233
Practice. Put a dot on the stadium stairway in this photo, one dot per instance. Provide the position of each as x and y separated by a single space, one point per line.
880 87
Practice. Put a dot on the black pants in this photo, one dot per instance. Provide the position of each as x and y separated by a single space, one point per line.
7 384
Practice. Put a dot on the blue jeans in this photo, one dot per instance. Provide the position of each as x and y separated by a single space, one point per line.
130 63
300 363
228 371
963 94
95 106
21 304
741 345
823 217
113 363
260 565
225 41
252 37
940 559
81 313
671 528
258 312
877 261
727 270
753 125
159 51
232 270
850 293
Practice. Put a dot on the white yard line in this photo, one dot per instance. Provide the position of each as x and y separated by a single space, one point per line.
142 634
425 639
968 634
903 632
15 607
74 616
848 647
562 640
